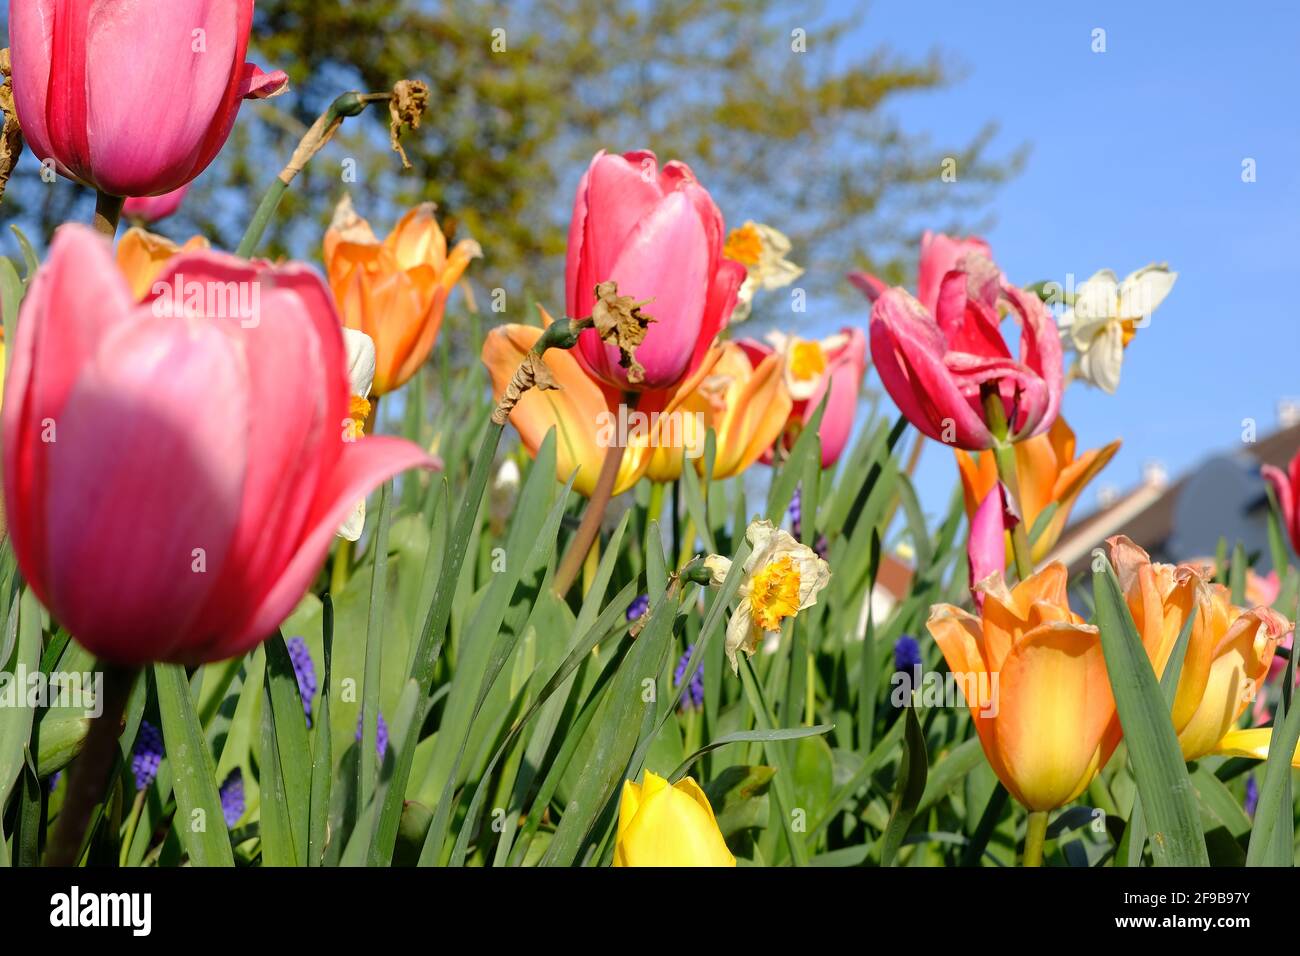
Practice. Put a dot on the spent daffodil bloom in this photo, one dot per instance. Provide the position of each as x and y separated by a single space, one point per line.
361 375
762 250
782 577
663 824
1105 317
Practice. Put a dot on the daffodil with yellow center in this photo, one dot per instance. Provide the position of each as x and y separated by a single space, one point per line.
781 578
806 360
361 374
762 250
663 824
1105 317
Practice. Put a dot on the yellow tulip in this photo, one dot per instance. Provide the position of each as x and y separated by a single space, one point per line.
1228 651
1047 471
583 410
394 291
662 824
746 406
1035 680
143 255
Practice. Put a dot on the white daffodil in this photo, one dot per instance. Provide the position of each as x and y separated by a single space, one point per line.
781 578
1106 315
762 250
806 360
361 375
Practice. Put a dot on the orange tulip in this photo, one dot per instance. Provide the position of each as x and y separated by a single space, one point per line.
746 406
1035 680
394 291
1228 652
584 411
142 255
1046 470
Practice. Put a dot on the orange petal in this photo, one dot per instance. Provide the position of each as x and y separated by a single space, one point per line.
1055 709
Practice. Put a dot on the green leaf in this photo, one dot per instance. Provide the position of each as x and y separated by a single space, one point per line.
203 834
322 768
16 720
1272 836
909 789
367 758
1168 798
749 736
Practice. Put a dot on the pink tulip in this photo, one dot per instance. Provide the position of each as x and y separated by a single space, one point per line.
132 97
986 550
935 364
173 483
657 233
1286 485
146 210
835 365
940 255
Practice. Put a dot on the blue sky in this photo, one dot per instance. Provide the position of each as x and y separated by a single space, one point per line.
1136 156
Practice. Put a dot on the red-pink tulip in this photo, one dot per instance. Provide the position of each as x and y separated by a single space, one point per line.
940 254
1286 485
173 481
657 233
132 97
145 210
986 550
813 368
935 365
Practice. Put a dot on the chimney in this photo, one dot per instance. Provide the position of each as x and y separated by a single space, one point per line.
1154 474
1288 412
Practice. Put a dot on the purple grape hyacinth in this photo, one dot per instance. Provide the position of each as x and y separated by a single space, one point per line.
381 734
693 699
232 797
639 606
305 670
147 755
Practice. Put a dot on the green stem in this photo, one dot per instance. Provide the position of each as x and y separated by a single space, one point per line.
90 772
1004 455
348 104
1035 835
108 211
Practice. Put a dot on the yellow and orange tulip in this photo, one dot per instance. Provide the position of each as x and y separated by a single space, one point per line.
1035 681
396 290
663 824
1228 652
142 256
582 410
747 407
1046 470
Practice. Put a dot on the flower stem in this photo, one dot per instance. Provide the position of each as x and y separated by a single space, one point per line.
89 777
591 520
1005 457
348 104
1035 835
108 210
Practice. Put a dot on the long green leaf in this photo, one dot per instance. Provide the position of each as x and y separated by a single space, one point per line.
199 821
1168 798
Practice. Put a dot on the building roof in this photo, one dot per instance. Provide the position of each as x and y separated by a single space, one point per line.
1146 513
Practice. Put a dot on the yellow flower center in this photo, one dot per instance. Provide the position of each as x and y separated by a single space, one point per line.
744 245
774 593
359 410
807 360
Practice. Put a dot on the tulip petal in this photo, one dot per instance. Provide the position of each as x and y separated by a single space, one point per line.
147 472
362 467
1252 744
1055 709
